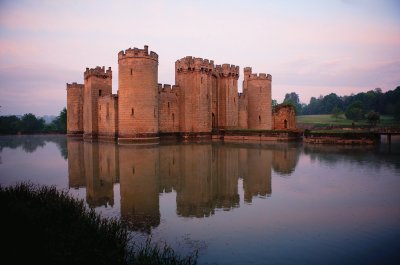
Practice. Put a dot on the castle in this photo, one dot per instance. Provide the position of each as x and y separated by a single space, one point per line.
204 99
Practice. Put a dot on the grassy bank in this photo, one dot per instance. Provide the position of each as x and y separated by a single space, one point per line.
41 225
341 121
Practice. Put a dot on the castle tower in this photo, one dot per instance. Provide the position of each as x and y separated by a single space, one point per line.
98 82
194 77
74 109
259 101
138 94
227 95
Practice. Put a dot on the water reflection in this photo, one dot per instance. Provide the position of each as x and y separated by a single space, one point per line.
30 143
204 176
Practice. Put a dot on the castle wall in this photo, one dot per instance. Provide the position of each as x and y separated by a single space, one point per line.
168 108
194 77
227 96
259 102
108 116
242 115
138 93
98 82
284 117
75 108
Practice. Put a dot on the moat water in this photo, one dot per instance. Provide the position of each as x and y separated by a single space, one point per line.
273 203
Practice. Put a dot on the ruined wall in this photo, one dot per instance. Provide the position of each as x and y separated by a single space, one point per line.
108 116
194 77
284 117
98 82
259 101
138 93
74 108
168 108
242 115
227 95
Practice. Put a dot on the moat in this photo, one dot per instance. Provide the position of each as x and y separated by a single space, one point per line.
270 203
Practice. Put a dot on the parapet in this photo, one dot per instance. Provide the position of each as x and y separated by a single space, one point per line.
98 72
138 53
227 70
190 63
261 76
166 88
75 85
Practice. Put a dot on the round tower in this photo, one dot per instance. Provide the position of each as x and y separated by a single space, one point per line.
138 94
259 102
74 109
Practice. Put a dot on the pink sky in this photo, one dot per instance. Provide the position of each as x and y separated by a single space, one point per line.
313 48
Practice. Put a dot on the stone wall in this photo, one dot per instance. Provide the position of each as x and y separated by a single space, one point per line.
108 116
74 108
138 93
168 108
242 116
98 82
284 117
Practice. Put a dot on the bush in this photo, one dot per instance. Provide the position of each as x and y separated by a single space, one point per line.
41 225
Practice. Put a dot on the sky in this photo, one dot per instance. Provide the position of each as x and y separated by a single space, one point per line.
310 47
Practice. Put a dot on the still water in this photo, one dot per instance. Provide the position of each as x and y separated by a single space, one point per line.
235 203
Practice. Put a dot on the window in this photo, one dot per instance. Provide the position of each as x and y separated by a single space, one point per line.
168 104
201 81
108 110
259 118
131 71
100 93
132 112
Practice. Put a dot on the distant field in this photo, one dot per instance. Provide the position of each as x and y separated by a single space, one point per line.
328 120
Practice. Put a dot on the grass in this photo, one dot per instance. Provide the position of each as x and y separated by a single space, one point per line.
41 225
328 120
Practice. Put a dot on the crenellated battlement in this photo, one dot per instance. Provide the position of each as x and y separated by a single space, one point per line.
100 72
138 53
166 88
227 70
261 76
193 64
75 85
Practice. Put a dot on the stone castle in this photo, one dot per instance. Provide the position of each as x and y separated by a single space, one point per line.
204 99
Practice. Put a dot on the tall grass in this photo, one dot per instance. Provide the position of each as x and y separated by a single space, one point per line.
42 225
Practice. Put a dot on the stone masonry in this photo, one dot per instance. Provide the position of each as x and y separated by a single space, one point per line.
205 98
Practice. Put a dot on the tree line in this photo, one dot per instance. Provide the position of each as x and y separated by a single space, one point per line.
355 106
29 123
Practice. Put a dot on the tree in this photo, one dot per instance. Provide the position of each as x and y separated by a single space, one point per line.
274 102
373 117
336 112
31 124
293 99
59 124
355 111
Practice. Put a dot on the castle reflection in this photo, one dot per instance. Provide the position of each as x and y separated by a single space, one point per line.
205 176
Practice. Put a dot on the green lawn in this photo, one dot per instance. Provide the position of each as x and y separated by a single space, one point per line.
328 120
